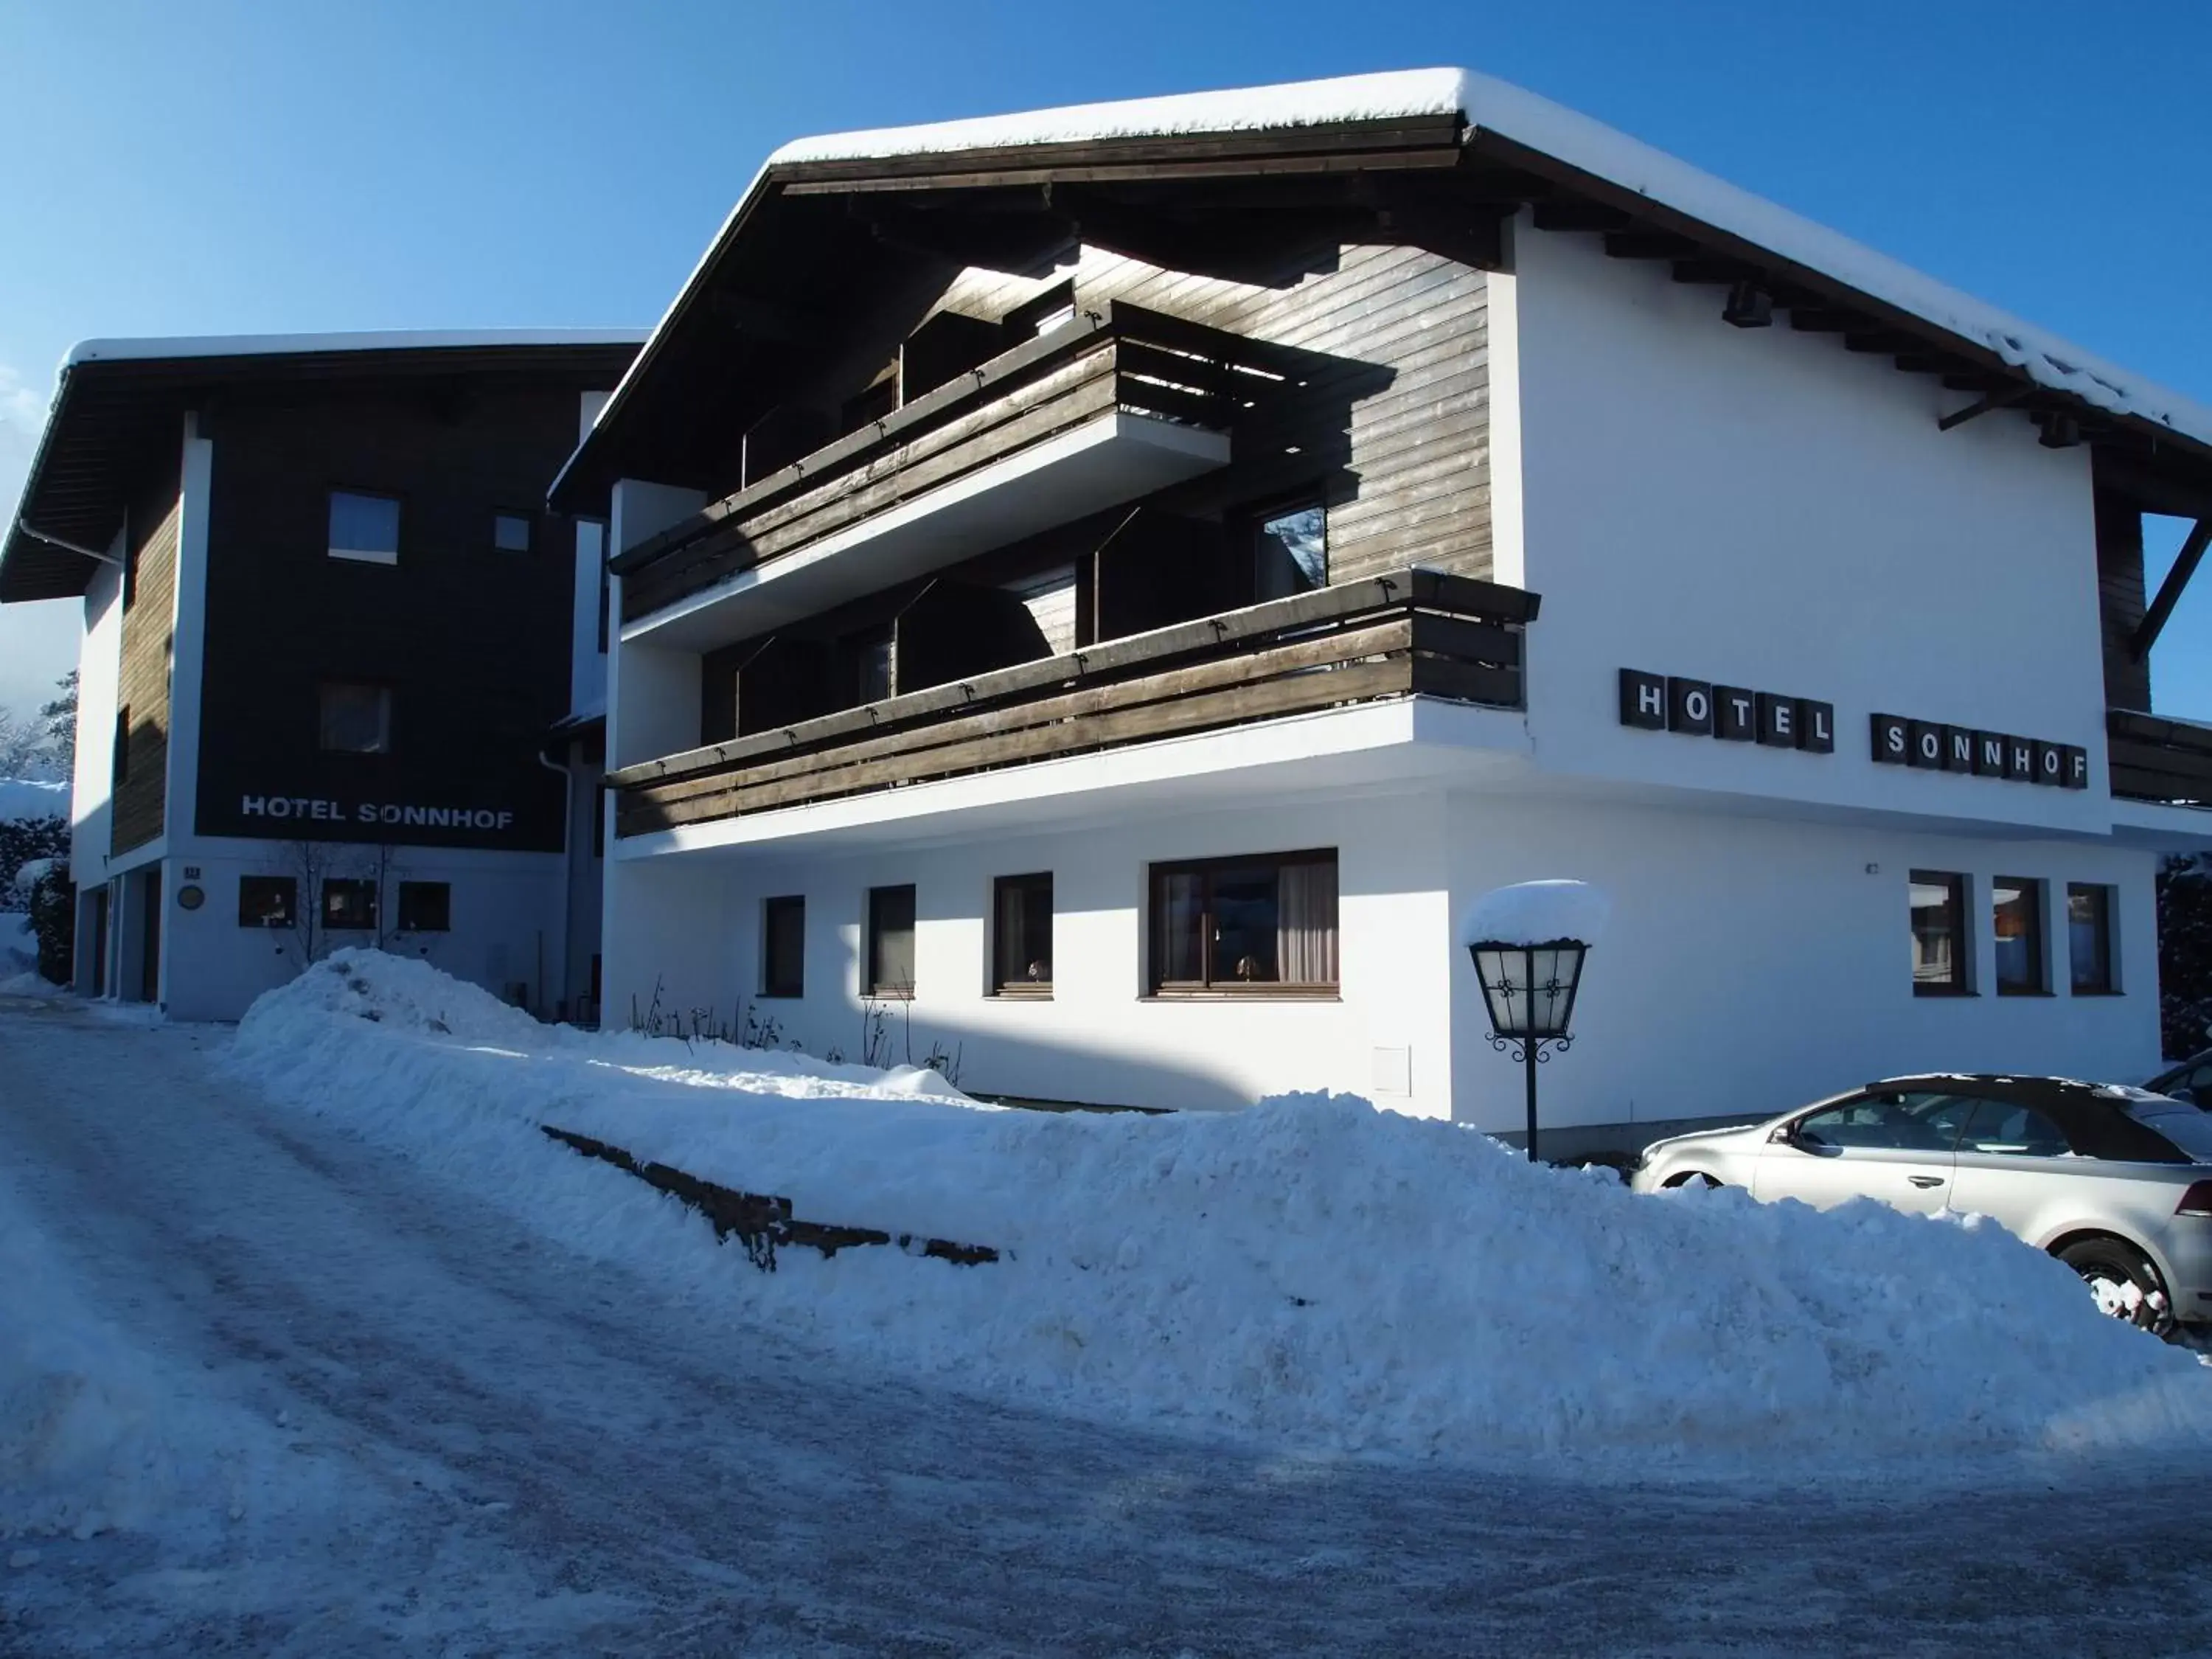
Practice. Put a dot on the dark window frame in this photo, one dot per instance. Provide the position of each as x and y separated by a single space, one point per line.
119 762
782 909
874 984
606 579
1009 979
407 919
249 915
527 520
2038 983
1960 984
384 689
1210 984
399 534
338 888
2107 981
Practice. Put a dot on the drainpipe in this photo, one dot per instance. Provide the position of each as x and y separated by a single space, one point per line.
568 872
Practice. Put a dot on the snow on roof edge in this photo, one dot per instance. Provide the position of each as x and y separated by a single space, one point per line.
1567 136
155 348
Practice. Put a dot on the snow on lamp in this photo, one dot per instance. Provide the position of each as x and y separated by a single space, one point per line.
1529 942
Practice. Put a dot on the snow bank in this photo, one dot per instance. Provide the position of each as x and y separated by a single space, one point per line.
96 1433
1314 1271
19 952
1537 912
33 798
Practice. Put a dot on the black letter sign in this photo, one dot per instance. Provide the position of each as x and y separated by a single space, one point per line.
1990 754
1927 746
2077 767
1893 740
1958 749
1735 713
1690 707
1642 699
1816 726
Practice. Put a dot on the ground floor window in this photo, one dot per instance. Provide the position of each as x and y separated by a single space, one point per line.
349 903
426 907
783 947
1021 935
891 941
1264 921
2089 938
2016 907
1938 933
266 901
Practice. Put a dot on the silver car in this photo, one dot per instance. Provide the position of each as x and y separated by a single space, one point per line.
2116 1182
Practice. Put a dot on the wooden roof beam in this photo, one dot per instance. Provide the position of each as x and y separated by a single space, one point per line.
1648 245
2169 591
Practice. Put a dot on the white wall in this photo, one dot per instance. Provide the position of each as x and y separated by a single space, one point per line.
1753 963
1099 1039
652 692
1762 508
100 672
507 917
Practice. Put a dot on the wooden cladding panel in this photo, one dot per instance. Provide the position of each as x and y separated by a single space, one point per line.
1409 470
2120 600
2160 760
141 801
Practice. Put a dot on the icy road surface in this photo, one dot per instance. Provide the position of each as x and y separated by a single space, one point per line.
482 1446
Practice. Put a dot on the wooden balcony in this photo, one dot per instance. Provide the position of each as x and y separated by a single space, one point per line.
1411 633
2160 760
921 479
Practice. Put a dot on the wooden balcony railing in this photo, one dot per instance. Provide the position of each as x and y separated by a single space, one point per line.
2160 760
1121 357
1413 632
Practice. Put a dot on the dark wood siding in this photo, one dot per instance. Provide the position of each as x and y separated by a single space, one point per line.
472 640
2120 600
149 649
1405 460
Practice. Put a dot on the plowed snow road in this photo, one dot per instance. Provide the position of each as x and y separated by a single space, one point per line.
522 1453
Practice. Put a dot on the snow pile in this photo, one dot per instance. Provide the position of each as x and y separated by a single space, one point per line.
19 953
95 1433
33 798
1312 1271
1537 912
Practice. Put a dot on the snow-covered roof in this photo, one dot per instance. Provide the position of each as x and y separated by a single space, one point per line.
1512 113
158 348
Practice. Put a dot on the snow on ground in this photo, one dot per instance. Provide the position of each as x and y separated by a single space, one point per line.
1312 1271
98 1433
19 952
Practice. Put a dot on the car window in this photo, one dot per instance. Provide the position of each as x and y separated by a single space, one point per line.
2007 1128
2185 1126
1890 1121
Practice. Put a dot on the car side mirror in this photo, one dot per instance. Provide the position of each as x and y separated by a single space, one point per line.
1782 1135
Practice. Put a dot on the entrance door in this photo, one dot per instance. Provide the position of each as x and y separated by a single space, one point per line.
1886 1144
150 967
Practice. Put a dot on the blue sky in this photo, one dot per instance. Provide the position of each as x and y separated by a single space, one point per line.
224 167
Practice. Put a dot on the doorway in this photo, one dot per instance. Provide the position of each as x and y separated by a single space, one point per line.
149 965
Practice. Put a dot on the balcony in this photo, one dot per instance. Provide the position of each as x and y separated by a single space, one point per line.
2160 760
1112 407
1411 633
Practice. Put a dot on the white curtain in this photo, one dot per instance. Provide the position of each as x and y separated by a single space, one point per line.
1305 924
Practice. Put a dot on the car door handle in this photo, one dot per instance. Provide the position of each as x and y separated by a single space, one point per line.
1925 1181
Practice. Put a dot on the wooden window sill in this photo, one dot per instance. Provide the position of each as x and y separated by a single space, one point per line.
1238 994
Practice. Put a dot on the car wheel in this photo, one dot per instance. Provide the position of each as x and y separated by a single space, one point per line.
2123 1281
1688 1177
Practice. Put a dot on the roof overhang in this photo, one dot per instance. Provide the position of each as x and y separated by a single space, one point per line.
1511 147
118 402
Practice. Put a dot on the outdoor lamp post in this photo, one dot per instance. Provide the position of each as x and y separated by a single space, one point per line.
1529 990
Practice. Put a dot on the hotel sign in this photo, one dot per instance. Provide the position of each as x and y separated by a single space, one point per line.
1934 748
1734 714
371 815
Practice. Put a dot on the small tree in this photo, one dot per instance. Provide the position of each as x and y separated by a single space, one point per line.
310 863
59 718
53 922
2185 954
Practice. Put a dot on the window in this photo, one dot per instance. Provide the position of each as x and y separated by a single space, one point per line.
349 903
870 657
783 947
2016 904
1938 933
1291 551
2089 940
510 532
356 718
592 542
364 527
119 761
1021 935
426 907
2015 1130
1895 1123
891 941
1267 921
266 901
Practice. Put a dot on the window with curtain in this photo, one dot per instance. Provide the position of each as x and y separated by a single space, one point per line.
891 941
2089 940
1938 933
2016 908
1264 922
783 946
1021 935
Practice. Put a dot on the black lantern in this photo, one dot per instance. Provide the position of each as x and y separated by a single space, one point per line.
1529 990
